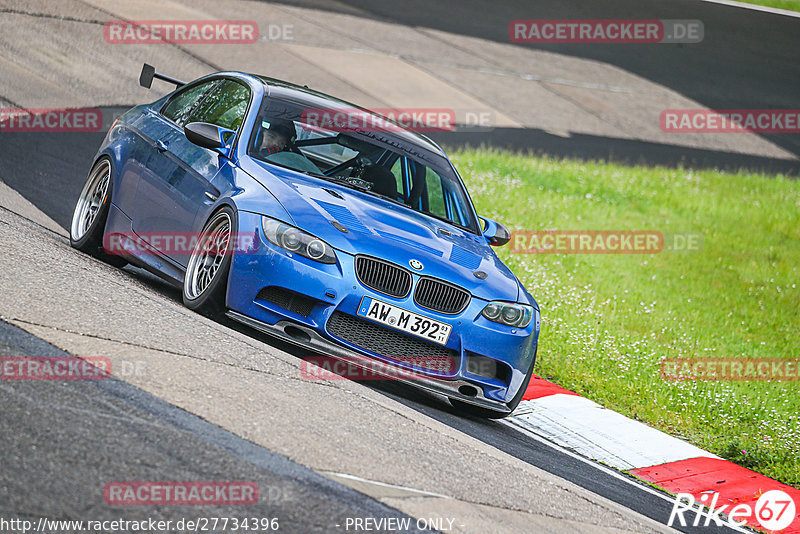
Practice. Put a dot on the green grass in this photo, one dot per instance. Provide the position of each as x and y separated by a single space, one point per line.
791 5
609 320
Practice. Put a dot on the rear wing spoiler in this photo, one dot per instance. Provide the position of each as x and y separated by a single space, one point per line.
149 72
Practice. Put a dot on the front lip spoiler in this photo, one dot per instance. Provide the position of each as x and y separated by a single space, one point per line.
448 388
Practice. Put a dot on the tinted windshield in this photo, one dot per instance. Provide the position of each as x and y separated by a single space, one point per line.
370 160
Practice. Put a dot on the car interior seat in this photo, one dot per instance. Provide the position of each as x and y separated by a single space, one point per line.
383 181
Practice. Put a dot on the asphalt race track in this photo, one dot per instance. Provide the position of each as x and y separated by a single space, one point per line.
736 67
67 442
47 192
116 431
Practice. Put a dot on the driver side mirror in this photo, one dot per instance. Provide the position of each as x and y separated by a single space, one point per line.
495 233
209 136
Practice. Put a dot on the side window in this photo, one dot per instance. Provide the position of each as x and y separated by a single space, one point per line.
224 106
397 170
182 103
435 194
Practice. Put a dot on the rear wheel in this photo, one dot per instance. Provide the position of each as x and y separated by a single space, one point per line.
206 278
466 408
91 213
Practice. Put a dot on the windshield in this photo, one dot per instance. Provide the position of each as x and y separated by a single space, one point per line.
371 161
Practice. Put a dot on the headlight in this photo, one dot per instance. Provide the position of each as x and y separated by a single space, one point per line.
297 241
518 315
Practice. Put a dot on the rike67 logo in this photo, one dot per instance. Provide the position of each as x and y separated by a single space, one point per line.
774 511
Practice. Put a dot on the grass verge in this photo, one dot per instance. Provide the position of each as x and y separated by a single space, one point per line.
790 5
610 319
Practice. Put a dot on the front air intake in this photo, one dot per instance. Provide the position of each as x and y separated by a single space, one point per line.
389 343
288 300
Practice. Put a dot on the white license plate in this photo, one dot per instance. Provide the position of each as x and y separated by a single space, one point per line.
404 320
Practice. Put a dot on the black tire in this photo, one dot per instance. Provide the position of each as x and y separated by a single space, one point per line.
204 292
465 408
91 213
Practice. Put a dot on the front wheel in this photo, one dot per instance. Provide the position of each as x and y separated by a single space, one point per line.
206 278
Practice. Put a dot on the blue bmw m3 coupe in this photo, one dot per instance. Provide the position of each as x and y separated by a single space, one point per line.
357 242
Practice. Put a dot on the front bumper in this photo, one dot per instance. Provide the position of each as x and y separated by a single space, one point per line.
308 338
335 288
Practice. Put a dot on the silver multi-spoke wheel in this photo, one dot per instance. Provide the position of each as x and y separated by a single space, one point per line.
91 200
208 255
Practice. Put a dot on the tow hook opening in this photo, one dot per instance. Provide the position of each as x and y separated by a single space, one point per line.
468 391
296 333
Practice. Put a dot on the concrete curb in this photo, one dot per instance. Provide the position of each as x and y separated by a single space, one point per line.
575 423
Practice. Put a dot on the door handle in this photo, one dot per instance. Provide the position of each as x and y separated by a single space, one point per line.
212 197
162 146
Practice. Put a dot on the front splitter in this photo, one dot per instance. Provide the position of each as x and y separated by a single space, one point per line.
312 340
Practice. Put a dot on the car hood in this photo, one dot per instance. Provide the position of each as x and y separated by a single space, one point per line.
380 228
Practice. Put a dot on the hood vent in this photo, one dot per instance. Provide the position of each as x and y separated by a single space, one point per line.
464 258
344 216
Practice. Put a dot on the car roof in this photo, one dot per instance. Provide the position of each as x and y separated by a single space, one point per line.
316 100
